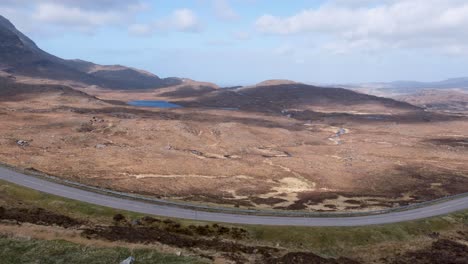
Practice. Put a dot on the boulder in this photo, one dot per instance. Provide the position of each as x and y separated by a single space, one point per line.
129 260
22 143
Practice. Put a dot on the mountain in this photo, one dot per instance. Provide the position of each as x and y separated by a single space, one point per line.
303 96
453 83
122 76
285 97
407 87
21 57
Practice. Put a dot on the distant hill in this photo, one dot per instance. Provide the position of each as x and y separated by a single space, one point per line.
438 100
20 56
13 91
288 97
407 87
445 84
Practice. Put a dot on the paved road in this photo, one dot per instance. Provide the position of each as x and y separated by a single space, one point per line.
168 211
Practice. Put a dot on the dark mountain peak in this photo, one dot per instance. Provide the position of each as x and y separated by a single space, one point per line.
5 23
9 40
22 57
10 32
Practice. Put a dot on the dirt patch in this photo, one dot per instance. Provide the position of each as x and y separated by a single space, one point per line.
38 216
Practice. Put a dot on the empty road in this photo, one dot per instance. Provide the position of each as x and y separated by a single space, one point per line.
170 211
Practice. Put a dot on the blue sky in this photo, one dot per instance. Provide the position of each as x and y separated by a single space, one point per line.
232 42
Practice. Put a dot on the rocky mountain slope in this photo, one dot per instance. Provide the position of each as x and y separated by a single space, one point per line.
20 56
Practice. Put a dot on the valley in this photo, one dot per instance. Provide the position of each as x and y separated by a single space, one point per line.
114 164
316 157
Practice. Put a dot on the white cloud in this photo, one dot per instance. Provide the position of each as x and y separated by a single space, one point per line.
357 3
74 16
66 15
46 17
224 11
182 20
438 24
82 4
131 5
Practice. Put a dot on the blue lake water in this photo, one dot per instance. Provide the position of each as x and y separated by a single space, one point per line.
158 104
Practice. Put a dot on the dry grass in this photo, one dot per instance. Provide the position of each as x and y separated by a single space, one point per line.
235 158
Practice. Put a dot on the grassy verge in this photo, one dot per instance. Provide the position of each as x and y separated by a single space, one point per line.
339 241
58 251
11 194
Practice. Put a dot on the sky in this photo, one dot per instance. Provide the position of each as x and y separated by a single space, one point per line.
239 42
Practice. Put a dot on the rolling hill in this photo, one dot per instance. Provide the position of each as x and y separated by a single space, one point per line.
398 88
285 97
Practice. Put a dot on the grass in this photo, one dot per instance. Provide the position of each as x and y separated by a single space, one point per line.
338 241
11 194
14 251
326 241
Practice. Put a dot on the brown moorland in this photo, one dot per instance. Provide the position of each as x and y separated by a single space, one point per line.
278 144
290 146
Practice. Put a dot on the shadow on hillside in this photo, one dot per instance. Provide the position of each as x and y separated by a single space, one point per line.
264 119
278 97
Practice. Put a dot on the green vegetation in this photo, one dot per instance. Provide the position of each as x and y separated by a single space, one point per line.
326 241
11 194
58 251
335 241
